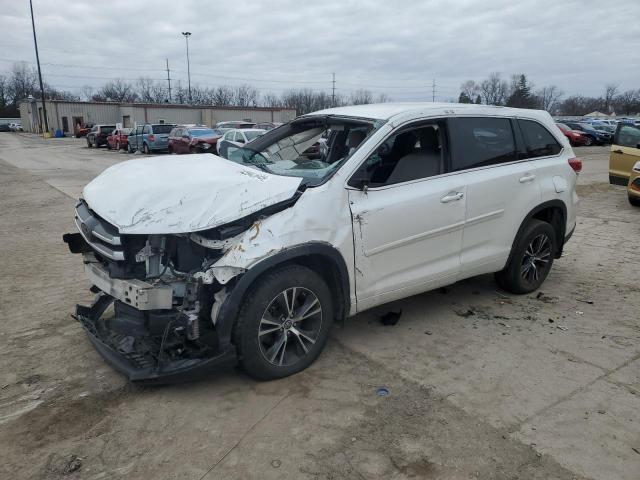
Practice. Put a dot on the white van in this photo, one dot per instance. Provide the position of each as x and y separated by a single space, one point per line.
200 262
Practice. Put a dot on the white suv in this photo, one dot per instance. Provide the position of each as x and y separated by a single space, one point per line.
201 262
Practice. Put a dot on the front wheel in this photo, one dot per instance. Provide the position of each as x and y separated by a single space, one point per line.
284 325
531 259
145 149
588 142
635 201
89 143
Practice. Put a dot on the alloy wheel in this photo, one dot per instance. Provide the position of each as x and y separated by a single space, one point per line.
536 259
290 326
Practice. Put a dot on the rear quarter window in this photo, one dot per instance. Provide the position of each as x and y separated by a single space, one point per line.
538 140
628 136
479 142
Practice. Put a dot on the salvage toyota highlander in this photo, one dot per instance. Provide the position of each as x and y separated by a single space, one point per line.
199 263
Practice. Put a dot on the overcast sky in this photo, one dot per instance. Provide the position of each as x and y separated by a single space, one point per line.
395 47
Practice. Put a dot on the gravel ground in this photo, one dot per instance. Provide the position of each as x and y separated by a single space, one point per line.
482 384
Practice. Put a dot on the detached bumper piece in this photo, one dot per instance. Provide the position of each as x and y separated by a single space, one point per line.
152 347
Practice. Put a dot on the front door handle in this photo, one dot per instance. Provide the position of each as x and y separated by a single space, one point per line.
529 177
618 151
452 197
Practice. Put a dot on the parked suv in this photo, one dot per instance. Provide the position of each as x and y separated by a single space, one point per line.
201 262
195 139
149 137
98 135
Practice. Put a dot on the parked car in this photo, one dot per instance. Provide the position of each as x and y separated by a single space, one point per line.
625 153
597 137
15 127
118 139
633 188
576 137
193 140
149 137
605 128
209 262
98 135
82 130
236 138
4 127
267 125
225 126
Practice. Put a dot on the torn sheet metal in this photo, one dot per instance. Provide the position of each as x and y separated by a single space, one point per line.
183 194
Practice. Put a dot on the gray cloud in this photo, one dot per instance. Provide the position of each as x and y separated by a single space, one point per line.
396 47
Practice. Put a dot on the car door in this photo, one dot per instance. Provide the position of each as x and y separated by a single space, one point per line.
625 152
502 188
408 216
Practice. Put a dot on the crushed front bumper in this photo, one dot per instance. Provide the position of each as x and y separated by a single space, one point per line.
149 365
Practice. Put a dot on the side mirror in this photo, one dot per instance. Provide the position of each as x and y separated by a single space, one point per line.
360 180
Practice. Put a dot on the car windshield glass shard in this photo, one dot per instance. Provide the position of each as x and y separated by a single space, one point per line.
309 151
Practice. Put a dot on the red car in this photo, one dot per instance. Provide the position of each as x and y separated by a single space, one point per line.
183 139
118 139
576 137
82 130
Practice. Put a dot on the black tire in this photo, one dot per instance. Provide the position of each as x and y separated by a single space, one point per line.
145 149
524 272
129 149
588 142
118 147
635 201
89 143
266 294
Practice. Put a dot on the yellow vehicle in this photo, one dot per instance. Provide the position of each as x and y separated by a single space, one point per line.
633 189
625 153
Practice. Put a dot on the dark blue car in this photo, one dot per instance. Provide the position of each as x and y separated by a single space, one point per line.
597 137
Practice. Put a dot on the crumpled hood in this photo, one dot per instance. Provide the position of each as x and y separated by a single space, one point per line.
181 194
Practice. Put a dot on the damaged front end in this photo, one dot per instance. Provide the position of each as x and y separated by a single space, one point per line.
156 314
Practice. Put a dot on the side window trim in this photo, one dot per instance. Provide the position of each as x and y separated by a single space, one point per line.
411 125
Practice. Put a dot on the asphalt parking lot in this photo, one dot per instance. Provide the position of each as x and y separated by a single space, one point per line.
483 384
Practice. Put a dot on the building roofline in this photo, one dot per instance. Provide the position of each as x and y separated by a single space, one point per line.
164 105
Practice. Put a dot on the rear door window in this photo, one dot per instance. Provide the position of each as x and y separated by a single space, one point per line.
479 142
628 136
539 141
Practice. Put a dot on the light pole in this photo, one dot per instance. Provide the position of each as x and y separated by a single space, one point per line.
35 42
186 37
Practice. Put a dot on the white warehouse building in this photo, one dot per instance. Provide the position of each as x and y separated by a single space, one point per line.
64 115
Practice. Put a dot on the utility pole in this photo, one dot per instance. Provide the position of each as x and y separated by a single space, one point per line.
168 80
35 42
333 91
186 37
433 90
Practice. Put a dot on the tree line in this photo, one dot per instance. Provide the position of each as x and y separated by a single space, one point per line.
21 82
519 92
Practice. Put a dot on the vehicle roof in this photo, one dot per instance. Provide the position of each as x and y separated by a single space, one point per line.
247 130
389 111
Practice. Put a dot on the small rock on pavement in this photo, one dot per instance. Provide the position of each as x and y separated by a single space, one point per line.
276 463
428 332
74 464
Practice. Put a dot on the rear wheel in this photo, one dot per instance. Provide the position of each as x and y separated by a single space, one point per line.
89 143
531 259
588 142
285 325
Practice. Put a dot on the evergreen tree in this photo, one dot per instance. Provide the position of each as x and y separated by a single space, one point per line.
521 96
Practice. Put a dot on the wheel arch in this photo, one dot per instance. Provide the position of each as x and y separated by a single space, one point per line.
554 212
320 257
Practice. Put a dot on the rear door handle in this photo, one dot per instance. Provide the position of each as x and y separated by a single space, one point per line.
618 151
452 197
529 177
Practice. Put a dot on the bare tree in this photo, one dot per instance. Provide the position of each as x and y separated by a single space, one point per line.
118 91
245 96
360 97
151 92
549 97
494 90
627 102
87 92
270 99
610 91
383 98
469 90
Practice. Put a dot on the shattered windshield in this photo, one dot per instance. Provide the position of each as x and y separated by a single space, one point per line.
312 150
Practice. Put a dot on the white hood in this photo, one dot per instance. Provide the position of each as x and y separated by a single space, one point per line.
181 194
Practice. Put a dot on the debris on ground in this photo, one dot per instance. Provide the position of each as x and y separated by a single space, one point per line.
546 298
276 463
551 320
602 412
74 464
504 325
391 318
465 313
382 391
590 302
562 327
635 450
428 332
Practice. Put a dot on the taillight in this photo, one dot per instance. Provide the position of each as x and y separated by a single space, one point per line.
576 164
151 138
